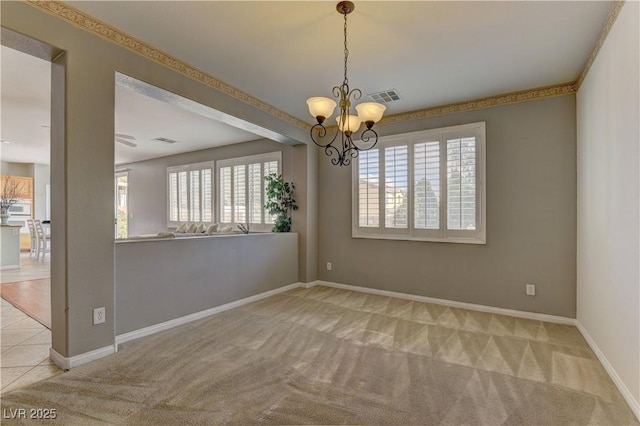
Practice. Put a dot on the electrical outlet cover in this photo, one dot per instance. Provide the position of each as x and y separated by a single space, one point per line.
99 316
531 290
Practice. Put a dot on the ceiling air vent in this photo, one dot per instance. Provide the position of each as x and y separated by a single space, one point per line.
165 140
385 96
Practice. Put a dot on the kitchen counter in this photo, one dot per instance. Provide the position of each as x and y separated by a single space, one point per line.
10 246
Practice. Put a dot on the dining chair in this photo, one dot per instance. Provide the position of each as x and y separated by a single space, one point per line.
44 240
33 249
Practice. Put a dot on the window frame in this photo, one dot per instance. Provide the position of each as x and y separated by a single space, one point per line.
247 161
189 168
411 233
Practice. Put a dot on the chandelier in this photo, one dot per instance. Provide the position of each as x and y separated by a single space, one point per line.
322 108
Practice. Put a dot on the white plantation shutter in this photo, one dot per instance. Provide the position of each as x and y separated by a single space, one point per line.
461 183
369 188
173 197
239 194
194 196
433 187
255 193
426 185
396 172
242 189
270 167
190 193
226 196
207 195
183 205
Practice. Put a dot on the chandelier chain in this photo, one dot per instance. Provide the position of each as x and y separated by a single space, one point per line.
346 50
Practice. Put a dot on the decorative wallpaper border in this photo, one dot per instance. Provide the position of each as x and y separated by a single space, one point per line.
488 102
90 24
112 34
611 19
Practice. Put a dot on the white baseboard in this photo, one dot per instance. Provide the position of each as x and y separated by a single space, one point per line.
453 303
626 394
67 363
136 334
309 284
7 267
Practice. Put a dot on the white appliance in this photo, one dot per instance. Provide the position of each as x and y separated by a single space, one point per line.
20 212
21 208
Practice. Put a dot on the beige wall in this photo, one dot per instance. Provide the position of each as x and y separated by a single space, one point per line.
210 271
608 252
82 163
305 219
16 169
531 225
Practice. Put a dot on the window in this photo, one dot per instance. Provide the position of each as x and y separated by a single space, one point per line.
190 193
242 189
426 186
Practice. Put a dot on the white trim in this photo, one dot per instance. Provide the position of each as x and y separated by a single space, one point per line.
67 363
310 284
626 394
152 329
410 232
454 304
4 268
400 237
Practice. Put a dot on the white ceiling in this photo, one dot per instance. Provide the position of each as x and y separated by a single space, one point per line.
25 105
433 53
146 118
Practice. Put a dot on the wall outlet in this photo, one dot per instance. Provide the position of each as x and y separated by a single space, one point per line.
531 289
98 316
329 266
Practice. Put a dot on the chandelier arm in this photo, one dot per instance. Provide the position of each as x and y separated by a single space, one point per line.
355 94
352 152
366 136
330 150
321 131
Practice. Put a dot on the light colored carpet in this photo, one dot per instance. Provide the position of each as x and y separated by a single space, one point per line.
329 356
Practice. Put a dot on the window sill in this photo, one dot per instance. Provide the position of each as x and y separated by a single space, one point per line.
455 240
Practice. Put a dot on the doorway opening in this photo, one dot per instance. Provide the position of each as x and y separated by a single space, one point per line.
32 135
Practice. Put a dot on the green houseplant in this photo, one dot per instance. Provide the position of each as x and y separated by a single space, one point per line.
280 201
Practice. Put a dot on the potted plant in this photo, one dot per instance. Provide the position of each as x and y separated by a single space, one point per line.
11 190
280 201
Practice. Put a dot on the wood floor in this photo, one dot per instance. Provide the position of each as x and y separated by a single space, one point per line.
31 297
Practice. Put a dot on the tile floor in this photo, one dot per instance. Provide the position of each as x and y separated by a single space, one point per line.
25 343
